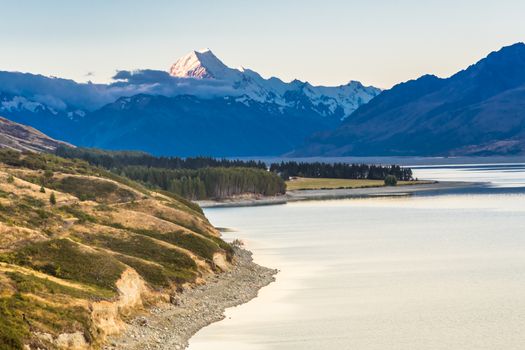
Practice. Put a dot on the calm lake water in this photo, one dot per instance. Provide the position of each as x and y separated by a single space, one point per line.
423 272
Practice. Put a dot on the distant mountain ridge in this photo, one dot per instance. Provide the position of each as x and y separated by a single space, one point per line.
251 86
477 111
187 125
267 116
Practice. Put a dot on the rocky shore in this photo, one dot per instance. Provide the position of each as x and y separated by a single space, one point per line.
171 325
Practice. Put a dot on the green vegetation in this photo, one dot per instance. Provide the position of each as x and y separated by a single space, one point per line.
178 263
193 226
19 313
66 259
321 184
12 328
192 178
390 180
201 246
52 198
92 189
340 171
120 159
59 255
155 275
209 178
26 212
78 213
46 162
29 283
183 203
208 182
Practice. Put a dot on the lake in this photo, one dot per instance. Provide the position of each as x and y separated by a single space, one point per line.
422 272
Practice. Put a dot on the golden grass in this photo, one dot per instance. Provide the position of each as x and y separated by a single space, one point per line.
56 260
302 183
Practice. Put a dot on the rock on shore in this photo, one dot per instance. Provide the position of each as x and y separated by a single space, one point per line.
171 325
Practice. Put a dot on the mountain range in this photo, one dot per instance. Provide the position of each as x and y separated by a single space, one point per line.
201 106
477 111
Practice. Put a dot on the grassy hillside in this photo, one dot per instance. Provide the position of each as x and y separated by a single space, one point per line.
80 248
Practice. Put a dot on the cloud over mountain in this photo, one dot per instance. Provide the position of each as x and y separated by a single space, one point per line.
200 93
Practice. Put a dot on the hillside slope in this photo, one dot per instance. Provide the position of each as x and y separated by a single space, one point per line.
478 111
81 249
25 138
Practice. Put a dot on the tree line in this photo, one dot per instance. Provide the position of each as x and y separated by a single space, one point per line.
217 183
119 159
206 177
340 170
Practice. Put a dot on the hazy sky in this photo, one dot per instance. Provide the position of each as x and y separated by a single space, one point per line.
324 42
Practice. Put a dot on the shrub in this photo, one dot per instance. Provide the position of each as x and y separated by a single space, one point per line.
143 247
93 189
390 180
48 174
52 198
156 275
77 212
64 258
201 246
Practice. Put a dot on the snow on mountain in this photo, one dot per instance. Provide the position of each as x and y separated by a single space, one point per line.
199 73
341 100
202 64
20 104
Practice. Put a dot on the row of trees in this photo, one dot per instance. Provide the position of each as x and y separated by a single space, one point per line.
340 171
206 177
119 159
208 182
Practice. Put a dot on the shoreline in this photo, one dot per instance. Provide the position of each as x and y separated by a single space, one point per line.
171 325
340 193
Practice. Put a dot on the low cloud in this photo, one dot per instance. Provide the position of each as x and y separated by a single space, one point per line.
161 83
61 93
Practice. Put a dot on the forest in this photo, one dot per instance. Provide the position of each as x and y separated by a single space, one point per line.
119 159
210 178
205 183
340 171
192 178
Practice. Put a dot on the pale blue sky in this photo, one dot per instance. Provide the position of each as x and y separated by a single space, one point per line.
324 42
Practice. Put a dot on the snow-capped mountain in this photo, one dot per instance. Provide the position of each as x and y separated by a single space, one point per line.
199 107
48 118
21 104
251 86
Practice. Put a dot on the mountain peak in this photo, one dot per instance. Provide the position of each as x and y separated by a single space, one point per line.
201 64
205 50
